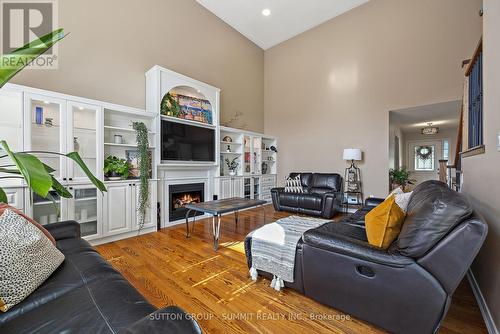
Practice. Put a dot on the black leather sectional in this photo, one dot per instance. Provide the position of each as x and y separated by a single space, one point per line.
86 295
322 195
406 288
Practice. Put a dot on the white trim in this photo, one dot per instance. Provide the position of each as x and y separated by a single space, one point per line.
121 236
485 311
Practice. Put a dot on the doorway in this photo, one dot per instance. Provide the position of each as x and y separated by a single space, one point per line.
419 137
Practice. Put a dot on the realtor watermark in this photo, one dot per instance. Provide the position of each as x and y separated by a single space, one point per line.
23 21
251 316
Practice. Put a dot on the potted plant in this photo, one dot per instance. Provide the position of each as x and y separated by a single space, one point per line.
232 165
400 177
116 168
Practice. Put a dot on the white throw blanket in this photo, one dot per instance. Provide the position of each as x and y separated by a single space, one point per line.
273 247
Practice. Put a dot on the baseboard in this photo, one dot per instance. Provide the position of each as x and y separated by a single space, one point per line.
485 311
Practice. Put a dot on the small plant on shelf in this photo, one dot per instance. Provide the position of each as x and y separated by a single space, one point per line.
116 168
232 165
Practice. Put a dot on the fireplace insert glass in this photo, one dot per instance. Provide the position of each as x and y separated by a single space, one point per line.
182 194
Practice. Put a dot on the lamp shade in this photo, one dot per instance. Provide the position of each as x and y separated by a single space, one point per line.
352 154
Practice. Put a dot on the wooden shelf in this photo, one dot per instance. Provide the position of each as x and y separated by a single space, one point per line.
125 145
117 128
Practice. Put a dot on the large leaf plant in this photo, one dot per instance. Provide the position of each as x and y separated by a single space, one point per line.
24 165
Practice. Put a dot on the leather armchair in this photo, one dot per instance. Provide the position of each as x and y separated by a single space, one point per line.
406 288
321 197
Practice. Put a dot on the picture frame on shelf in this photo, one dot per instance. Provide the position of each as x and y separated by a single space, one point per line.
132 157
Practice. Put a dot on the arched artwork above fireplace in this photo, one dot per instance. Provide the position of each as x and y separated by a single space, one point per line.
185 102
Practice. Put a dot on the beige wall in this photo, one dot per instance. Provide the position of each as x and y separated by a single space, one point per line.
482 172
111 45
332 87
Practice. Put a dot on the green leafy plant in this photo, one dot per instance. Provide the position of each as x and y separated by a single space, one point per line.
24 165
144 168
169 106
401 177
114 166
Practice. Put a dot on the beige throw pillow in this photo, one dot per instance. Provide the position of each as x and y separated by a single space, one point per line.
27 259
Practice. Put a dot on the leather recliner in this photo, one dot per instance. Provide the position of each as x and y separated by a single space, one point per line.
86 295
322 195
406 288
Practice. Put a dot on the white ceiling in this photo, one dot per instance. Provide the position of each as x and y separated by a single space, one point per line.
445 115
288 17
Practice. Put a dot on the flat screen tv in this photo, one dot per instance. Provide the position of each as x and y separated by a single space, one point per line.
183 142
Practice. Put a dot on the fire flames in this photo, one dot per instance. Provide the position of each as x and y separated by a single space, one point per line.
182 200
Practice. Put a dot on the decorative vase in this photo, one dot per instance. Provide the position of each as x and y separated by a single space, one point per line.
118 139
232 172
76 144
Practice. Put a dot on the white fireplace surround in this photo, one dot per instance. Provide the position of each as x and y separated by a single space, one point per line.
187 175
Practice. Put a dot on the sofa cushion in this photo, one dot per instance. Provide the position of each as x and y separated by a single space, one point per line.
323 183
311 201
383 223
290 199
305 178
434 210
82 264
107 305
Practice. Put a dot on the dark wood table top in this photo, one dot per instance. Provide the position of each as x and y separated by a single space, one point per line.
225 205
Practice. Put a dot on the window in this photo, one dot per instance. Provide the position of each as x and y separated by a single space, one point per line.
446 149
424 158
475 119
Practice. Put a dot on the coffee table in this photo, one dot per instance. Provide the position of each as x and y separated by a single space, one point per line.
220 207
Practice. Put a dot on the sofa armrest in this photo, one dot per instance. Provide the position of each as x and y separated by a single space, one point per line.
331 204
342 243
171 319
373 201
64 230
275 192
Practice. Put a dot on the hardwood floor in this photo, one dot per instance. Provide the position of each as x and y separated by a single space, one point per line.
215 287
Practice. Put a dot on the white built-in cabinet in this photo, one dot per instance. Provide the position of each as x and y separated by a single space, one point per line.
257 164
39 121
231 187
120 206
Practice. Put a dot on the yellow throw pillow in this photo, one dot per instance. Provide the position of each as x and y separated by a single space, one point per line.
384 222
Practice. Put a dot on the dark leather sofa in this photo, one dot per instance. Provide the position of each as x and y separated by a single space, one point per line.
322 195
86 295
406 288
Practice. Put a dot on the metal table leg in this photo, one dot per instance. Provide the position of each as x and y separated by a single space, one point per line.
264 208
216 230
187 223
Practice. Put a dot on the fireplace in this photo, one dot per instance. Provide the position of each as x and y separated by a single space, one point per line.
182 194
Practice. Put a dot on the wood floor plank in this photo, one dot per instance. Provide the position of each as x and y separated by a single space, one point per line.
170 269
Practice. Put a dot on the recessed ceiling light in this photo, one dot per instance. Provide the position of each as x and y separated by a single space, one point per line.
46 102
266 12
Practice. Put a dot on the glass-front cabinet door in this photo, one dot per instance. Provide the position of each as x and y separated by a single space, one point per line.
257 154
256 188
83 137
84 208
45 126
247 168
47 211
247 187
